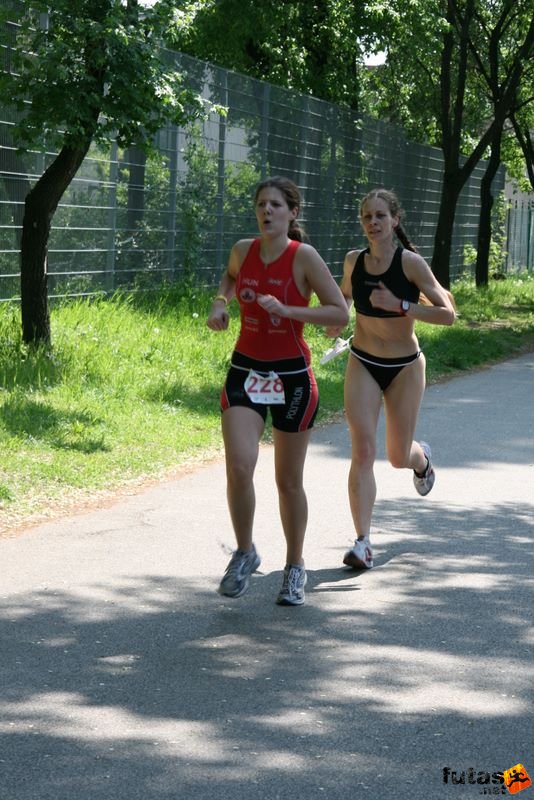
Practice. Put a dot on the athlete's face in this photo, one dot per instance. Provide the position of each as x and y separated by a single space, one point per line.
273 213
377 222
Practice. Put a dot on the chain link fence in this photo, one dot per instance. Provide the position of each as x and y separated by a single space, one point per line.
128 221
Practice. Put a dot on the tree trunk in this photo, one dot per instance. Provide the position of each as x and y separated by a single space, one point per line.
486 204
452 186
39 208
452 93
526 143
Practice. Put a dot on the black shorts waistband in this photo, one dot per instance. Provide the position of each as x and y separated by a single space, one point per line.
282 366
378 361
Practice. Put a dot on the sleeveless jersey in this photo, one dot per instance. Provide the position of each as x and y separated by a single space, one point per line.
394 278
265 336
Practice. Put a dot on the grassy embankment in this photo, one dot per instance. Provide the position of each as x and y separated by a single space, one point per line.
129 391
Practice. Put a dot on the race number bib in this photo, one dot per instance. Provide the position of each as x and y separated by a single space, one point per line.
266 389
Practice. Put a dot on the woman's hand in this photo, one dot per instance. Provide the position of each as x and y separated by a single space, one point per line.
334 330
272 305
385 299
218 318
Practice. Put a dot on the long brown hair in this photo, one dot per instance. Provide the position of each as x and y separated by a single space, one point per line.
292 198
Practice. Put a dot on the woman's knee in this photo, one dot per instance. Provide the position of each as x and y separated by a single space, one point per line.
363 452
240 472
289 485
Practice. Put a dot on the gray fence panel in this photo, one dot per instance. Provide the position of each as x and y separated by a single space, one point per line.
127 221
520 235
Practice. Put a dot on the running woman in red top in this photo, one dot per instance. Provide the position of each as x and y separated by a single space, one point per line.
273 278
385 281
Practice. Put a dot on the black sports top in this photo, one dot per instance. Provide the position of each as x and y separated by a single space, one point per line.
394 278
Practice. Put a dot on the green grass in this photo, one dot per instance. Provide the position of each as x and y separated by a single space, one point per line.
130 389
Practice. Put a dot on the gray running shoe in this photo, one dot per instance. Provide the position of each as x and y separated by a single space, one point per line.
292 591
237 575
424 483
360 556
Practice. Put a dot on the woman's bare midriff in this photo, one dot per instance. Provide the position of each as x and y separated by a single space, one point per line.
387 337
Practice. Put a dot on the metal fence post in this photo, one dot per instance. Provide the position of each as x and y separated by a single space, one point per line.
220 177
112 218
264 129
173 177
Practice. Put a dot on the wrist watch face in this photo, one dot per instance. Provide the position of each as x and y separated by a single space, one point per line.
405 305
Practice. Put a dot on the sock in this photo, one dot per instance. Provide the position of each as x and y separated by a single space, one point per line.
423 473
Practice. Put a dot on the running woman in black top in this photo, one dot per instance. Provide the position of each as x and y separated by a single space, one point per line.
385 282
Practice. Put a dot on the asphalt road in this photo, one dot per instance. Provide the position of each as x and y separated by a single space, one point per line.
125 676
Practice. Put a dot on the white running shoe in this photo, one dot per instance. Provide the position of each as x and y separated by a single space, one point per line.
360 556
424 483
236 579
292 591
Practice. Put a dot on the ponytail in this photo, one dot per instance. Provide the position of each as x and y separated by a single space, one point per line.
297 232
403 239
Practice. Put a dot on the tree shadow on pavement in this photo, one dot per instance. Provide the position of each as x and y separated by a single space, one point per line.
162 689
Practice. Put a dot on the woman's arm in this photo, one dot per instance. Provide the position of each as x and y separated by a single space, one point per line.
312 275
218 318
437 307
346 290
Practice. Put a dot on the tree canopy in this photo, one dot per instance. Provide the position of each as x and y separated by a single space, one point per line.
457 73
92 69
311 47
82 71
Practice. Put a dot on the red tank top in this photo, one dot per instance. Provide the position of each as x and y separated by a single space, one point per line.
264 336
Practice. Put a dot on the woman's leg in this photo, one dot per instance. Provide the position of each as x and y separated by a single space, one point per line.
289 457
242 430
402 401
363 398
